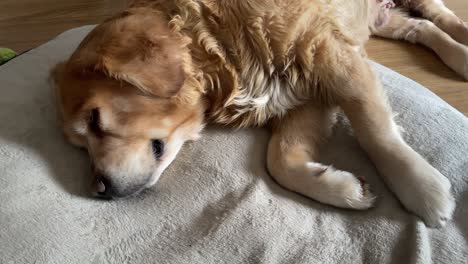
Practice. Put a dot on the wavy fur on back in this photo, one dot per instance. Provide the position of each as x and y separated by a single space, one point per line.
256 57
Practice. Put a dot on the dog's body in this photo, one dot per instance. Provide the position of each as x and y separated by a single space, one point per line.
288 64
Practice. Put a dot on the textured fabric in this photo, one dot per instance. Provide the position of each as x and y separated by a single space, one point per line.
216 203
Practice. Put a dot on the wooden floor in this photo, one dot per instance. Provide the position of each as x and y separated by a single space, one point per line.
24 24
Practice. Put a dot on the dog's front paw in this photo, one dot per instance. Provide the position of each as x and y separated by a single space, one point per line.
437 205
342 188
431 199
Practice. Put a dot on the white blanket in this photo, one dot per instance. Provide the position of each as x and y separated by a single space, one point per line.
216 203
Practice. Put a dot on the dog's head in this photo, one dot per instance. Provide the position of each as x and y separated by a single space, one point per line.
127 97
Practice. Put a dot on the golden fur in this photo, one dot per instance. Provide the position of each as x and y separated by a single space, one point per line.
161 69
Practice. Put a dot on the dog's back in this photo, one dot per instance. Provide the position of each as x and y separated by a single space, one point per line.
259 55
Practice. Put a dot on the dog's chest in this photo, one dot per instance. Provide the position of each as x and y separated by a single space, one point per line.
257 59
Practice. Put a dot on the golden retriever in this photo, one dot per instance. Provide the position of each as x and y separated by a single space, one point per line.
147 80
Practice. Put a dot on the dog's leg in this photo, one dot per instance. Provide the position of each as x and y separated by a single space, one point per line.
444 18
422 31
419 186
292 160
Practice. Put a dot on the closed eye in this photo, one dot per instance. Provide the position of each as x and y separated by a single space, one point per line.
158 148
94 123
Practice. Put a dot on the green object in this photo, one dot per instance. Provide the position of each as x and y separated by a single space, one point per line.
6 54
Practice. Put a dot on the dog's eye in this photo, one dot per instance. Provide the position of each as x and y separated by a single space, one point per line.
94 122
158 148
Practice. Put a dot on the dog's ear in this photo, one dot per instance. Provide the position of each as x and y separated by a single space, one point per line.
136 47
148 62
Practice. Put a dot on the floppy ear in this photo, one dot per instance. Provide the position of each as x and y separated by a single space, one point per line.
151 63
136 47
